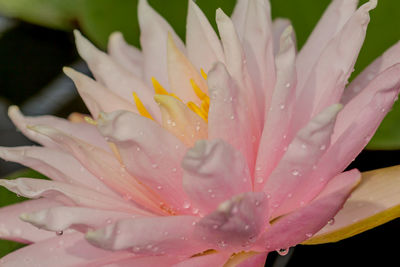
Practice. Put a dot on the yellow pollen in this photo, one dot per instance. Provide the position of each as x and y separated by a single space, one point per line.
198 111
203 73
141 108
90 121
200 94
158 88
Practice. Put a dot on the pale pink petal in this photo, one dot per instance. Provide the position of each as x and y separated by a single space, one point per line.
285 183
203 45
150 153
239 16
388 80
84 131
171 235
58 191
114 77
13 228
236 223
128 56
235 61
178 119
62 251
228 117
153 39
388 59
275 136
332 21
330 73
258 47
96 97
279 25
214 172
55 164
213 259
301 224
59 219
180 72
134 261
104 166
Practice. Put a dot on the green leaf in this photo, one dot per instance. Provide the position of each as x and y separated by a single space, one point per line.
9 246
57 14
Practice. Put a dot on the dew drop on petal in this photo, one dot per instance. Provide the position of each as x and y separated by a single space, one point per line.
287 85
283 251
159 187
260 180
331 221
59 233
308 235
295 172
323 147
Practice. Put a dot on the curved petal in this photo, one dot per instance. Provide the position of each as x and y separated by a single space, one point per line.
178 119
279 26
275 136
55 164
332 21
63 251
13 228
150 153
388 59
96 97
236 224
202 43
128 56
159 261
170 235
291 177
374 202
213 259
301 224
239 16
153 39
214 172
59 219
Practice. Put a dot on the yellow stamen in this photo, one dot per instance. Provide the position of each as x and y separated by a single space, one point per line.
198 110
90 120
141 108
200 94
203 73
205 104
115 150
158 88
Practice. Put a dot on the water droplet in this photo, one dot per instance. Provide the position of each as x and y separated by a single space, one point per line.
195 211
331 221
154 165
323 147
287 85
282 106
176 146
303 146
246 227
197 128
283 251
268 196
212 196
259 180
383 110
194 223
308 235
174 170
258 168
137 148
136 249
222 244
186 205
209 190
289 195
159 187
108 221
295 172
257 203
232 117
59 233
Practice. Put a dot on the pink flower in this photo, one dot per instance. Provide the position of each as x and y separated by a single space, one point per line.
207 169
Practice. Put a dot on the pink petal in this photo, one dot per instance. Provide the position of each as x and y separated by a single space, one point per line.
228 117
332 21
58 191
126 55
275 136
159 261
150 153
239 16
59 219
236 224
214 172
180 72
303 223
388 59
330 73
279 25
62 251
12 228
55 164
171 235
153 39
113 76
203 45
214 259
96 97
104 166
292 174
84 131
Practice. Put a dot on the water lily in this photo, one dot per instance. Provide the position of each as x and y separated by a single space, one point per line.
210 153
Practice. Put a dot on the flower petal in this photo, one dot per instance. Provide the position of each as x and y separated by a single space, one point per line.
159 261
388 59
301 224
213 259
12 228
239 16
203 45
228 117
170 235
214 172
55 164
59 219
332 21
247 259
275 136
128 56
330 73
153 39
279 25
150 153
236 224
178 119
62 251
374 202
